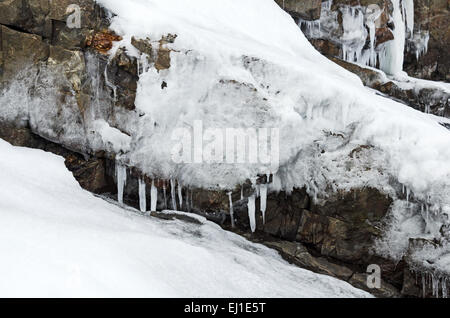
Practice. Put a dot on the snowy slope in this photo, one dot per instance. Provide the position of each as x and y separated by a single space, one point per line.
58 240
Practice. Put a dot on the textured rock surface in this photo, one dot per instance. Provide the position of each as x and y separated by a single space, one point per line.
305 9
433 16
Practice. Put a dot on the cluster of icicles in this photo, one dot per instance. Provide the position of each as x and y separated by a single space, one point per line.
358 23
121 176
438 284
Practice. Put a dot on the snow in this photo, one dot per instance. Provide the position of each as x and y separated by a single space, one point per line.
408 15
245 63
58 240
115 140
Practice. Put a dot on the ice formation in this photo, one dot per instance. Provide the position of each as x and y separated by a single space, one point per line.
121 176
251 206
69 243
153 197
263 194
165 195
180 194
172 194
359 24
391 62
230 200
142 197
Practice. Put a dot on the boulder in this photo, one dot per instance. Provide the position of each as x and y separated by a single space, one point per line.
20 50
304 9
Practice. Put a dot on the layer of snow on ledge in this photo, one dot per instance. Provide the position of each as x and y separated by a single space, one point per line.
112 137
57 240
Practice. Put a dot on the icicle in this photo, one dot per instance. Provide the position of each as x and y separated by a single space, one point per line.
142 198
180 195
109 84
172 194
153 197
435 285
251 212
165 194
424 286
121 175
242 193
408 15
391 62
444 287
231 209
263 192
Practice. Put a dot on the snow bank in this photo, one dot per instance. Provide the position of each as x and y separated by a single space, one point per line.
57 240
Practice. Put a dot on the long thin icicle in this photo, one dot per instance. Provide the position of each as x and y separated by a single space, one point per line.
263 194
251 212
142 198
121 175
231 209
165 194
172 194
180 195
153 197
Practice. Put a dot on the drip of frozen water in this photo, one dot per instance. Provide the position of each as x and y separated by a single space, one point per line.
242 193
311 28
142 199
354 36
251 212
372 16
188 205
109 84
391 61
444 287
172 194
165 194
180 195
121 176
420 43
231 209
263 193
153 197
408 15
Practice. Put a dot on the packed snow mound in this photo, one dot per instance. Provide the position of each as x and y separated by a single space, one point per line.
58 240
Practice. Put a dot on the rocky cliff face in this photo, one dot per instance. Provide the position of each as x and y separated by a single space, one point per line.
67 96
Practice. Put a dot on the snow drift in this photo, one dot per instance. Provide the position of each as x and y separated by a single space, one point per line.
57 240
